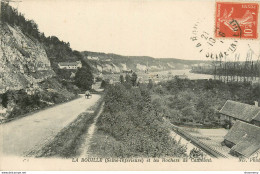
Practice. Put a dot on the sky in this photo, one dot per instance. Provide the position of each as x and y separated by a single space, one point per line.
161 29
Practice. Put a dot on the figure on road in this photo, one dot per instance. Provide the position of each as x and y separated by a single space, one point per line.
87 94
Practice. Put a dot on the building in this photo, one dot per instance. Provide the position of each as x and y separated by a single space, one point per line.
70 65
201 66
256 120
233 111
92 58
243 139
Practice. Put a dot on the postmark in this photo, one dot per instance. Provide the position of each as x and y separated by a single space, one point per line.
210 47
236 20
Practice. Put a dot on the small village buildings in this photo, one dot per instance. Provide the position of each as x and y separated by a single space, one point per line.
233 111
243 139
92 58
201 66
70 65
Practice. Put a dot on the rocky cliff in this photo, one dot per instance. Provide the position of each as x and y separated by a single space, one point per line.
113 63
23 60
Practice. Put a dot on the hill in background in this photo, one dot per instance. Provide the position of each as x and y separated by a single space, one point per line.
102 62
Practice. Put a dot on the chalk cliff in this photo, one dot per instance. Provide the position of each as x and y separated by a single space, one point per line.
23 60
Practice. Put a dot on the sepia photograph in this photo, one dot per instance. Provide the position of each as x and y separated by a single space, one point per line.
129 85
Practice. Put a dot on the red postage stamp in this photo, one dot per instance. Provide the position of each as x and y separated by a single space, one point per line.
236 20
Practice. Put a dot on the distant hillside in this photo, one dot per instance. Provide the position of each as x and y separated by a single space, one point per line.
102 62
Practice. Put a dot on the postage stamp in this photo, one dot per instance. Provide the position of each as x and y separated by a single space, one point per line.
236 20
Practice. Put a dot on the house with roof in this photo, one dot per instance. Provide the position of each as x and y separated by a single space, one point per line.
92 58
243 139
70 65
233 111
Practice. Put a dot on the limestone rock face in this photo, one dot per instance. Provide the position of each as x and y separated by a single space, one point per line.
23 60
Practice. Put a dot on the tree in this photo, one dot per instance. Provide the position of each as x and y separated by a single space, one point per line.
122 79
150 84
84 78
4 99
133 79
127 78
103 84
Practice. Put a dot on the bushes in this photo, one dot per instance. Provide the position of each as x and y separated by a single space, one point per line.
21 102
104 83
135 124
199 101
84 78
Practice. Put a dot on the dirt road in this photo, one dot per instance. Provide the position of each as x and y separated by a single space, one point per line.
21 136
90 133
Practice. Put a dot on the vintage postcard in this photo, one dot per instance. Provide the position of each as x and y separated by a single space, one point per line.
130 85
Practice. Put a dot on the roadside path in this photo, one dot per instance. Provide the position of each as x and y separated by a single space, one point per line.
20 136
90 133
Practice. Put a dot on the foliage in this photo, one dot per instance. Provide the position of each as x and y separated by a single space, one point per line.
150 84
84 78
65 73
232 71
52 92
121 79
4 99
22 102
127 78
196 153
99 79
134 79
70 86
199 101
104 83
135 124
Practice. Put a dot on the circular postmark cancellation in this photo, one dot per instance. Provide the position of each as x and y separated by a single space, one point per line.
210 47
236 20
233 21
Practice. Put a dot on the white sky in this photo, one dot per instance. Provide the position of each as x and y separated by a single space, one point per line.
160 29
